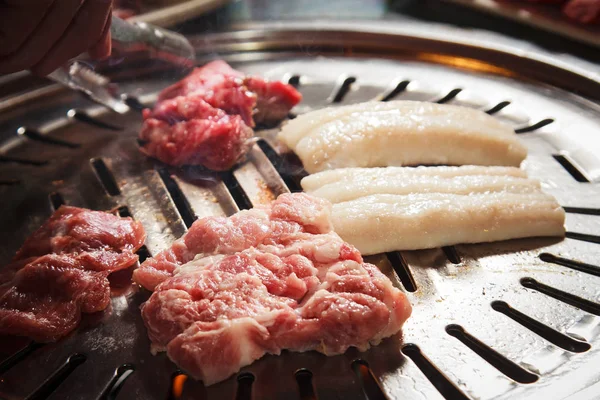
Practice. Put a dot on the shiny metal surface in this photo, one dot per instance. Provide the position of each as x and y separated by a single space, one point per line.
464 286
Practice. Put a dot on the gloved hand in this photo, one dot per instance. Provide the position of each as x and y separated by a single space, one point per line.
41 35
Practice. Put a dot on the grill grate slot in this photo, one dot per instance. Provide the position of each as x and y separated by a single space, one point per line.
291 173
181 202
56 200
571 169
371 387
451 95
452 254
575 301
490 355
115 385
582 210
238 194
105 176
498 107
583 237
133 103
576 265
402 270
437 378
244 386
540 329
294 80
305 384
38 137
340 91
57 378
84 117
6 159
9 182
398 88
19 356
536 126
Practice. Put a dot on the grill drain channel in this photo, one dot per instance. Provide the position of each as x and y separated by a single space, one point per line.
369 383
573 264
501 363
244 386
305 384
551 335
437 378
575 301
114 387
38 137
57 378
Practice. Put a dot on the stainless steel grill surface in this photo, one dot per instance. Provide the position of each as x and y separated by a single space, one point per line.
509 320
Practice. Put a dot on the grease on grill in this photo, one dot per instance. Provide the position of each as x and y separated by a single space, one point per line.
114 386
38 137
551 335
431 372
105 176
402 270
305 385
368 382
84 117
571 299
58 377
501 363
573 264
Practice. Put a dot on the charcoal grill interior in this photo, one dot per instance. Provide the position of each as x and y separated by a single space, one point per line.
515 319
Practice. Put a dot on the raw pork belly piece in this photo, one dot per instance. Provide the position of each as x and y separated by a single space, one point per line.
61 271
254 99
402 208
264 280
188 130
400 133
346 184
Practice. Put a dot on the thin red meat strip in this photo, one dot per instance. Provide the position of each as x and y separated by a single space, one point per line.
61 272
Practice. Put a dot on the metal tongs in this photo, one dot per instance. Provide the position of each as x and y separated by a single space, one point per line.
126 37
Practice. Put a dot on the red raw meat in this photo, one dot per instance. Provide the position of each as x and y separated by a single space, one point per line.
61 271
583 11
254 99
187 130
262 281
281 223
